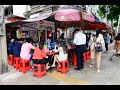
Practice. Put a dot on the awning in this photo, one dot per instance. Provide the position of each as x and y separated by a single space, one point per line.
101 26
38 18
16 23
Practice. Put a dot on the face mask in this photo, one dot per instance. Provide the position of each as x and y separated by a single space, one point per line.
93 33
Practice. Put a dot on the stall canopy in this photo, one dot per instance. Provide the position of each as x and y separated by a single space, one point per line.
101 26
96 24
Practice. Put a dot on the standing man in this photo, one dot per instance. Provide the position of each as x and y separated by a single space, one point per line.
79 41
107 41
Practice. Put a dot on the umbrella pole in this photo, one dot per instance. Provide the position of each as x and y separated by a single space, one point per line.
66 39
66 34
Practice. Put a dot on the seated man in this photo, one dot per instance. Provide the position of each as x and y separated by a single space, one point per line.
17 47
26 48
11 46
40 56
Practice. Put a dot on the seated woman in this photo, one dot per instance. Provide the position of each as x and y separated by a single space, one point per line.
40 56
61 56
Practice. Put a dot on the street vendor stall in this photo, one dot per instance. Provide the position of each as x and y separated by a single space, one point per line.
38 30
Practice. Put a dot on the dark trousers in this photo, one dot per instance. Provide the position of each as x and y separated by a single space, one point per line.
106 46
42 61
80 49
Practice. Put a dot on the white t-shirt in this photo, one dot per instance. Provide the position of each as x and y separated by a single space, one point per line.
79 38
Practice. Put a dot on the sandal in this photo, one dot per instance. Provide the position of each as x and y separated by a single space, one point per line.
47 67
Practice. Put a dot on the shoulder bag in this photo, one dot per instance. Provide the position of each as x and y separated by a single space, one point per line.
98 48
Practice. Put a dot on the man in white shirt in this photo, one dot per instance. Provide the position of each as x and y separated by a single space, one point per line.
79 41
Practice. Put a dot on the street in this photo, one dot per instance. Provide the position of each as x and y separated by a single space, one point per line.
109 75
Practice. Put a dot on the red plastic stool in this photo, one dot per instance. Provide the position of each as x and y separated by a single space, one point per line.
88 54
74 60
16 62
11 59
24 65
64 66
85 56
41 70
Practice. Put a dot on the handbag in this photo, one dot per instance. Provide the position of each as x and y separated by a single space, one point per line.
98 48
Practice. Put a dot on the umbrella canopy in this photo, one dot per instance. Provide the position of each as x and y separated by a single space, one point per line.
71 18
67 15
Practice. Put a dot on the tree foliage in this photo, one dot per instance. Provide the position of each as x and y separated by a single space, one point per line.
111 12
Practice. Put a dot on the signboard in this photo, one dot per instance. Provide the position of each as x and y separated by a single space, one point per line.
40 25
1 13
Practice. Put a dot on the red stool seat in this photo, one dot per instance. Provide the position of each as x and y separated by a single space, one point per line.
16 62
41 70
11 59
64 66
24 65
84 56
74 60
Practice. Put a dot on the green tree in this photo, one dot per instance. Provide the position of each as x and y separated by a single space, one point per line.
111 12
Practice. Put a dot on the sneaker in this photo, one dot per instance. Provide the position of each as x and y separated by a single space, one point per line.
90 66
98 70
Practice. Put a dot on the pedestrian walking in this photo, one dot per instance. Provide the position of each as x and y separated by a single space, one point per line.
117 46
111 41
95 41
117 43
107 41
91 45
80 42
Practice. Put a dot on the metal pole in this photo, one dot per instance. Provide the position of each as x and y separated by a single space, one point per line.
3 47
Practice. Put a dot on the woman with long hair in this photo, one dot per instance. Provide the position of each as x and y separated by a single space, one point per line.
61 56
98 39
